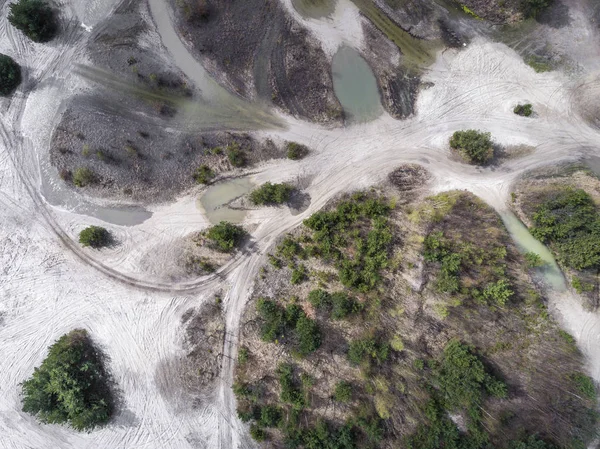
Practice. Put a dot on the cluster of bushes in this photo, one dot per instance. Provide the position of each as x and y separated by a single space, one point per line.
296 151
339 305
474 146
225 236
289 324
83 176
460 383
71 385
271 194
10 75
524 110
94 236
236 156
34 18
357 237
569 221
456 258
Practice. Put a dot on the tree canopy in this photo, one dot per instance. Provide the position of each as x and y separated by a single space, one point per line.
71 385
10 75
225 236
474 146
34 18
94 236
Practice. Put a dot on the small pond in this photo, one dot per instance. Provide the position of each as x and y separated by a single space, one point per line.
216 199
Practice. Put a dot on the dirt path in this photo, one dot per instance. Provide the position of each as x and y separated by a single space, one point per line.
45 290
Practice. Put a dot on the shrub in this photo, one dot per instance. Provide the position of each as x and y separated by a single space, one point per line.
532 442
71 385
343 391
236 156
498 292
204 174
225 236
524 110
296 151
34 18
290 391
343 306
533 260
94 236
10 75
585 385
270 416
298 275
243 355
309 335
364 350
474 146
257 433
271 194
83 176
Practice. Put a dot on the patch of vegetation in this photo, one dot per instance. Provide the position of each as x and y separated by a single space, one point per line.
533 260
271 194
474 146
581 286
364 351
470 12
585 385
10 75
236 156
339 304
531 8
290 325
569 221
539 64
204 174
83 176
524 110
343 391
296 151
34 18
299 275
357 236
243 355
71 385
226 236
94 236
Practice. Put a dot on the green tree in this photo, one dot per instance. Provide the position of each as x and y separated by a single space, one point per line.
10 75
225 236
94 236
204 174
83 176
475 147
296 151
524 110
34 18
71 385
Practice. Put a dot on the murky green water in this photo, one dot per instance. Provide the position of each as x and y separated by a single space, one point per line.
355 86
315 9
550 272
214 202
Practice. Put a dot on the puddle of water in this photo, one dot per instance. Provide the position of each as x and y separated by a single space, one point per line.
355 86
315 9
58 195
214 202
550 272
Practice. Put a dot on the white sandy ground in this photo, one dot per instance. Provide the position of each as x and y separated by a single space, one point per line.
48 285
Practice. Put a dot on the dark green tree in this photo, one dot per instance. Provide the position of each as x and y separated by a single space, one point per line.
34 18
225 236
474 146
94 236
10 75
71 385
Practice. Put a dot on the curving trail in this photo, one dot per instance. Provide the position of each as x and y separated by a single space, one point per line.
135 316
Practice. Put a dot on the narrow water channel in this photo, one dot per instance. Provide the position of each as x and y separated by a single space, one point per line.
355 86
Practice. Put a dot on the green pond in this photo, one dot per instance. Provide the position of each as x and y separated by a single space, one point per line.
216 199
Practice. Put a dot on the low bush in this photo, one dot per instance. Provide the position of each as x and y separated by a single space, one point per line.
34 18
94 236
368 349
524 110
203 174
291 392
299 275
71 385
225 236
257 433
339 304
236 156
531 8
585 385
343 392
83 176
474 146
271 194
296 151
270 415
581 286
533 260
10 75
